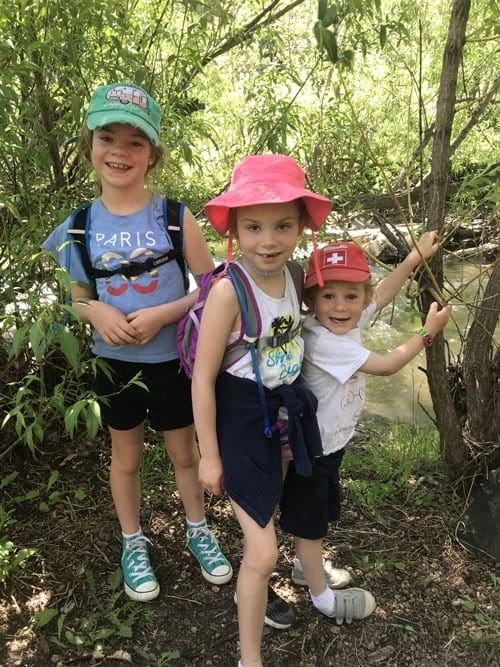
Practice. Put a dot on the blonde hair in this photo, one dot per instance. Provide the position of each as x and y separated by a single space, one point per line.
85 150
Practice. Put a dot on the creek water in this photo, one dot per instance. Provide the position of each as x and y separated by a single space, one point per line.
405 395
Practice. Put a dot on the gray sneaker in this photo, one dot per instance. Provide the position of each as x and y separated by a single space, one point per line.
353 604
335 577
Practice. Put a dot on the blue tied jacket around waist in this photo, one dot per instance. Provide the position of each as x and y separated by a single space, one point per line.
252 462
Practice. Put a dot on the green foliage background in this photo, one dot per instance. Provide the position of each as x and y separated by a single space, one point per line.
232 79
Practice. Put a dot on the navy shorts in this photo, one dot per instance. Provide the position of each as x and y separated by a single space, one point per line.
167 405
308 504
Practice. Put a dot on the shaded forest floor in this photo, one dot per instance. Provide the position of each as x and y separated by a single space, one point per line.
438 604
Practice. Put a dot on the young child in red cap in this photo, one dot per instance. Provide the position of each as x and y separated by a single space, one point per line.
341 300
265 209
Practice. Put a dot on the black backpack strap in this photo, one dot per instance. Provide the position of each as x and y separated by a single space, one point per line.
78 232
173 216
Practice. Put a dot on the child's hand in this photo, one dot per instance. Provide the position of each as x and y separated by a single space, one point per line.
111 324
436 320
427 245
146 322
210 475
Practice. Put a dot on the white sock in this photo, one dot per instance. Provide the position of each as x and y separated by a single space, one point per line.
132 536
324 602
196 524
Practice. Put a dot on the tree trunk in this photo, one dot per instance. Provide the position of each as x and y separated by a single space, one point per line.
481 375
447 419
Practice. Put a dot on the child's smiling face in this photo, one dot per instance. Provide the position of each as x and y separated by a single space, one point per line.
268 233
338 306
121 155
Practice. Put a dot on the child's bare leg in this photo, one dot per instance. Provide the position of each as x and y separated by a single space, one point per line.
139 578
310 554
183 452
126 455
259 558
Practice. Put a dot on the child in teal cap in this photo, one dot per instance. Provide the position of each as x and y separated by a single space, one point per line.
134 319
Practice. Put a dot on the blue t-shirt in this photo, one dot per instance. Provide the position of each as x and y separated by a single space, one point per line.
118 240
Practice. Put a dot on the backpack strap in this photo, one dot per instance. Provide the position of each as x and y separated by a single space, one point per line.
252 340
79 234
252 327
174 210
297 273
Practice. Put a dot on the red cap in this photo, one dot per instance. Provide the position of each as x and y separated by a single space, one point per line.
343 261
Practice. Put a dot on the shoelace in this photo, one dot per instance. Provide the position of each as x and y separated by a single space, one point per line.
137 558
207 544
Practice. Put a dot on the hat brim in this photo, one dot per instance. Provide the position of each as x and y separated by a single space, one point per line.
338 274
217 209
96 120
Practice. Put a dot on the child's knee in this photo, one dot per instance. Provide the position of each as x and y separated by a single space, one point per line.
184 460
262 560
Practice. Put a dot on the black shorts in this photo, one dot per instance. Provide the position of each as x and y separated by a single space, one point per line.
308 504
167 405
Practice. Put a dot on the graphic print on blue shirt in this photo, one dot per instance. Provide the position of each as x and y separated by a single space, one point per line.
118 284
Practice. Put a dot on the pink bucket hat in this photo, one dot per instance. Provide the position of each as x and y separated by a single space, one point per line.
338 261
266 179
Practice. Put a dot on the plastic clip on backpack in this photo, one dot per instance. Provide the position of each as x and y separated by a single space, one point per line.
172 211
187 329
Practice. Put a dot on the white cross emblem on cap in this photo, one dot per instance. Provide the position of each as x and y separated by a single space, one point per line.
336 258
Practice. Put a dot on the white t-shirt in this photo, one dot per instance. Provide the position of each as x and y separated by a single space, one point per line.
330 371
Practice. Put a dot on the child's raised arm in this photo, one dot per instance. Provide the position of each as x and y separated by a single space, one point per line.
392 362
390 286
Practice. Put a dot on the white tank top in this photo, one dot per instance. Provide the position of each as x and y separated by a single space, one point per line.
277 365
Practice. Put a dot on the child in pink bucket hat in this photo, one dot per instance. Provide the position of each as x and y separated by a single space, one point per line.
341 300
265 209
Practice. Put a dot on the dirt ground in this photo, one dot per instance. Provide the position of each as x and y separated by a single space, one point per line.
438 604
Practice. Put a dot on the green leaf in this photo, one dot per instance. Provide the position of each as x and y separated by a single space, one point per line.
326 40
322 7
37 340
45 616
125 631
54 476
19 340
79 494
69 346
382 35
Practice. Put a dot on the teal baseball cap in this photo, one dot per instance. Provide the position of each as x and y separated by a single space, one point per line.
125 103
